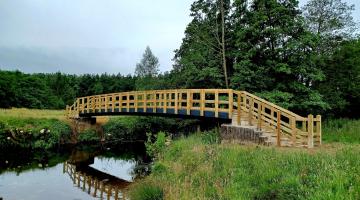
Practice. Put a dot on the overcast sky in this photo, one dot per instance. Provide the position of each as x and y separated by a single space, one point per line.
92 36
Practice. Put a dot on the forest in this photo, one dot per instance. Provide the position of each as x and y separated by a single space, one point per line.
305 59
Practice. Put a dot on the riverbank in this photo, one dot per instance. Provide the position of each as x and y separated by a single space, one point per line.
197 167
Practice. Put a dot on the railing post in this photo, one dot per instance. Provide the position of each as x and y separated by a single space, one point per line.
293 130
231 103
318 129
310 131
259 112
251 106
176 102
128 102
145 101
136 101
164 94
278 128
154 101
217 103
188 102
239 108
202 102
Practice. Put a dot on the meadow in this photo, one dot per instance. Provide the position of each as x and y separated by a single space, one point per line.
199 167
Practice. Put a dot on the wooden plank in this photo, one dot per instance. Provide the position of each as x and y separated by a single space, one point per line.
310 131
216 103
278 128
176 102
231 103
202 102
319 129
188 102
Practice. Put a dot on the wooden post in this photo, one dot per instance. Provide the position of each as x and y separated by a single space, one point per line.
128 102
239 108
109 192
96 187
251 110
165 102
145 101
231 103
188 102
154 102
113 102
176 102
310 131
202 102
78 179
278 128
293 130
216 103
259 113
102 188
84 182
89 184
136 101
319 129
116 197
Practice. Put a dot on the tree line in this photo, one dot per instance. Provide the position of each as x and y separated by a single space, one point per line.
304 59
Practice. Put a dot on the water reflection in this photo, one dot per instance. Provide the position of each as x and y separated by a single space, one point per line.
74 175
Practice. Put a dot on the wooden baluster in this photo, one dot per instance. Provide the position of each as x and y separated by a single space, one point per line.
109 192
176 102
259 109
78 180
188 101
238 109
84 182
136 101
128 102
310 131
96 187
293 130
116 197
202 102
145 101
102 188
217 103
278 128
318 129
164 102
251 108
89 184
231 103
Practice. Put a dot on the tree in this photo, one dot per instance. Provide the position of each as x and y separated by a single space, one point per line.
148 66
203 56
274 55
329 17
331 21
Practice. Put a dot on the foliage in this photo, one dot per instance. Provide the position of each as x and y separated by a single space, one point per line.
192 169
148 66
153 148
146 192
34 133
341 130
89 136
211 137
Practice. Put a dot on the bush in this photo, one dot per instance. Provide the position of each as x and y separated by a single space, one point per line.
211 137
155 148
89 136
146 192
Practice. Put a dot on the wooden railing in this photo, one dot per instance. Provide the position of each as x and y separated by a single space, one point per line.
216 103
94 186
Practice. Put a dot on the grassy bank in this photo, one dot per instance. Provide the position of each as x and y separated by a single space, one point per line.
198 168
34 129
341 130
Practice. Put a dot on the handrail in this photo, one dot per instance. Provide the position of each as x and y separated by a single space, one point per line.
217 103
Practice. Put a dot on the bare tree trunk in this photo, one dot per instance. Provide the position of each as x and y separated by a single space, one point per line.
223 43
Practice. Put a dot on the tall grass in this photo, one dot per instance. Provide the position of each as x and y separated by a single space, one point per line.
341 130
193 169
20 113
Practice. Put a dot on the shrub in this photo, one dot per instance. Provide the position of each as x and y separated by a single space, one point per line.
154 148
89 136
211 137
147 192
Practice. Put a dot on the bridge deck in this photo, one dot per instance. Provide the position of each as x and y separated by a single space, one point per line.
212 103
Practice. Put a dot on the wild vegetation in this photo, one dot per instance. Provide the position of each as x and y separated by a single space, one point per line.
199 167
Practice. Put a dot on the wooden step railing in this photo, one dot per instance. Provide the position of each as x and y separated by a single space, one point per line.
217 103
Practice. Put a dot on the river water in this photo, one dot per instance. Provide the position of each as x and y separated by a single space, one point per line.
72 174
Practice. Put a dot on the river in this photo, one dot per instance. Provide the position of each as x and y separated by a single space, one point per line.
76 174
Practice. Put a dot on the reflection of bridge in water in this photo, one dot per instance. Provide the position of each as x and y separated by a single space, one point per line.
95 182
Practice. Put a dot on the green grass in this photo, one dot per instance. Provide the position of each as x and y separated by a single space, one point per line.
341 130
31 128
191 168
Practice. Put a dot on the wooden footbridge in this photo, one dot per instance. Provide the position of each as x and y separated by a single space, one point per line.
252 118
